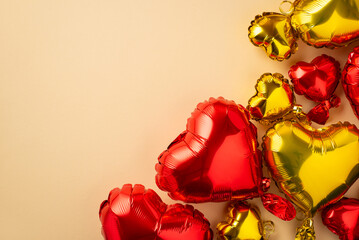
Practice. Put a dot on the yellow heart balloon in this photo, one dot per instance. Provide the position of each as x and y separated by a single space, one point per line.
313 167
244 222
326 23
273 32
319 23
274 100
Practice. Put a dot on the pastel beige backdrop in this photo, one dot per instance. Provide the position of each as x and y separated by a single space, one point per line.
93 90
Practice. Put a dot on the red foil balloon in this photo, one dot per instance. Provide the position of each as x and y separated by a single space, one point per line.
317 81
350 80
133 213
320 113
342 218
216 158
278 206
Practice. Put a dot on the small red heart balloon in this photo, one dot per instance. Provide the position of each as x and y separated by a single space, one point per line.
317 81
342 218
134 213
215 158
350 80
320 113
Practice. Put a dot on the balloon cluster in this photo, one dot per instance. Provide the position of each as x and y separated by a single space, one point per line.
304 161
330 23
217 157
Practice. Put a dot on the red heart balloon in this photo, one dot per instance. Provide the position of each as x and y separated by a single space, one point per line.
317 81
320 113
215 158
350 80
134 213
342 218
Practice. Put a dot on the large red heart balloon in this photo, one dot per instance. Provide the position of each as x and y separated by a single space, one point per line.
317 81
134 213
342 218
350 80
215 158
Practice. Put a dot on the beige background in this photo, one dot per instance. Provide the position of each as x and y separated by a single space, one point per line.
92 91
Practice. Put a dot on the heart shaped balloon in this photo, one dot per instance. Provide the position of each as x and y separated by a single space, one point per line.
317 81
215 158
133 213
342 218
274 100
273 32
244 222
313 167
329 23
320 113
350 80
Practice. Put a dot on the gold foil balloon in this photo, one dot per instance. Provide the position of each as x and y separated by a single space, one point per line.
319 23
306 231
313 167
326 23
274 100
273 32
244 223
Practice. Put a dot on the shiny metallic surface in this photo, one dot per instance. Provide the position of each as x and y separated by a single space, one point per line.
326 23
215 159
317 81
313 167
273 32
319 23
132 213
350 80
278 206
320 113
273 100
243 222
306 231
342 218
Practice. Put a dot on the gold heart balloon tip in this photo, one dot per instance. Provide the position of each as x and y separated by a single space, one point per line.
329 23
